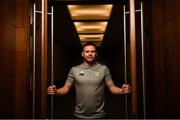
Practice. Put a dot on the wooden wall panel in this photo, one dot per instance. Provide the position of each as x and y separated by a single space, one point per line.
22 90
165 67
7 58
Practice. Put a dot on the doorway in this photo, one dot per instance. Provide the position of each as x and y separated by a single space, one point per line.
66 53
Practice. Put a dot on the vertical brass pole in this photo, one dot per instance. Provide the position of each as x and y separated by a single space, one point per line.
133 57
44 59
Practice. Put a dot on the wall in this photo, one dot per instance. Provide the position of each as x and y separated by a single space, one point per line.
13 62
165 85
171 38
22 85
8 57
158 62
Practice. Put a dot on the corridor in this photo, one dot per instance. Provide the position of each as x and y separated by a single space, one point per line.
29 64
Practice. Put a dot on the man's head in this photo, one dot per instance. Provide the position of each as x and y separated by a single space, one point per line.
89 52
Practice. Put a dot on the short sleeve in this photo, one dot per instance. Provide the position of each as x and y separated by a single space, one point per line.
107 74
70 79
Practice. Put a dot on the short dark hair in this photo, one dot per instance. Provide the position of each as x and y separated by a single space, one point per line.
89 44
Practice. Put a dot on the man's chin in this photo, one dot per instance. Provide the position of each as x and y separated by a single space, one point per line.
90 61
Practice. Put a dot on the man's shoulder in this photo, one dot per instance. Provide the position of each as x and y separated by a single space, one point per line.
102 65
77 66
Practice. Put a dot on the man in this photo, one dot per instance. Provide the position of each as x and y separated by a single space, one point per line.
89 79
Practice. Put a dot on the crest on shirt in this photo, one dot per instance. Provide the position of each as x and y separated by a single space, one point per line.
97 73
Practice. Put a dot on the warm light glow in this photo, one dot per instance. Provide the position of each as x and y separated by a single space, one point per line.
90 30
90 27
78 12
94 37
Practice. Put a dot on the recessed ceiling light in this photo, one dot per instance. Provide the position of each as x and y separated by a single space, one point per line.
90 27
84 12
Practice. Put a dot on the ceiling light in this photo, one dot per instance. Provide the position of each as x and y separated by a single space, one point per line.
93 37
90 27
84 12
90 21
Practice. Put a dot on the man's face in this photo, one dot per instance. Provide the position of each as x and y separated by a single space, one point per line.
89 53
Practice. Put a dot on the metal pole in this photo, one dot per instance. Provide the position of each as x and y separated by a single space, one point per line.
43 54
125 47
34 61
125 58
44 57
133 63
52 58
143 69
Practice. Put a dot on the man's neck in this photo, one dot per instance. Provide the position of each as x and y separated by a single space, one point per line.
88 64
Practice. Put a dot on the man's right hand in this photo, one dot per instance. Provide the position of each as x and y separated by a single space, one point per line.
52 90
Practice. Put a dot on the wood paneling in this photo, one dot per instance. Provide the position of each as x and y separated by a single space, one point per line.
22 90
21 39
7 58
165 67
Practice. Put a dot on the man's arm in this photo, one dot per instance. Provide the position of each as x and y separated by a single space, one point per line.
52 90
117 90
64 90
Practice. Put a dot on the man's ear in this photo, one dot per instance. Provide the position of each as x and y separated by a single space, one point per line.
82 54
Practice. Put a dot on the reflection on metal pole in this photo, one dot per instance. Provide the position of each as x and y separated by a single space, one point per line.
132 43
44 57
52 58
34 62
143 67
133 62
125 58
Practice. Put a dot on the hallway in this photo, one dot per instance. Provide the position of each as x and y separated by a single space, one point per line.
161 46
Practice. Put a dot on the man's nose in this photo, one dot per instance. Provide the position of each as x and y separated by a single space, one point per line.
90 53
